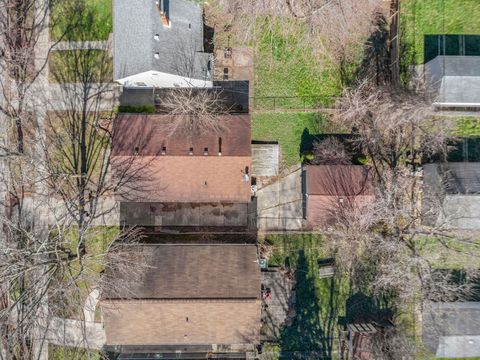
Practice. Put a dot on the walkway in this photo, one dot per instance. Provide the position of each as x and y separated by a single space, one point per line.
76 333
279 310
280 205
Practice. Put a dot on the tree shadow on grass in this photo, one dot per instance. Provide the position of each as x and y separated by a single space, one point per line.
311 334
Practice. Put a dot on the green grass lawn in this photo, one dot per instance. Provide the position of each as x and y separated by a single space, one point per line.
451 254
467 126
429 17
292 130
319 302
285 64
98 239
80 66
62 353
81 20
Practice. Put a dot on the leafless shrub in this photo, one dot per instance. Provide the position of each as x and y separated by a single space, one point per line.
330 151
391 344
196 111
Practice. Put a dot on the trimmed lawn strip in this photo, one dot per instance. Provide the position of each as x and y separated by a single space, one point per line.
430 17
453 255
61 353
468 126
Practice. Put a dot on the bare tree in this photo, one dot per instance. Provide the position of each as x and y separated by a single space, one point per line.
383 247
196 111
331 151
336 30
55 178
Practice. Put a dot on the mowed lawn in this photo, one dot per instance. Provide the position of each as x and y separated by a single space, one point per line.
319 302
430 17
293 131
467 126
92 22
80 66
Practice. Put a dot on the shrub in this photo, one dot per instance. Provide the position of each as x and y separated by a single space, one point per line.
144 109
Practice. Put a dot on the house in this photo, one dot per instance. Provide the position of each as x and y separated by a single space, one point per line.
182 180
195 299
330 189
160 43
452 70
451 195
450 329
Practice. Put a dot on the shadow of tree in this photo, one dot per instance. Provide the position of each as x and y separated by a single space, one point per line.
311 334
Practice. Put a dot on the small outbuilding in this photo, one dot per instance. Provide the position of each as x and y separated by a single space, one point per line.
330 190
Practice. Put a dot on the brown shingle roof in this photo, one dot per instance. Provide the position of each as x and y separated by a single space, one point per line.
339 180
186 294
191 179
335 189
161 322
193 272
149 133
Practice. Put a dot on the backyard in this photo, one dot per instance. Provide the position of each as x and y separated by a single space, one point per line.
81 20
294 131
319 302
429 17
80 66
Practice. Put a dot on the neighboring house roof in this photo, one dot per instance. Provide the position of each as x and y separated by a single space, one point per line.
149 133
331 188
178 176
143 44
451 195
462 178
454 80
339 180
186 294
451 329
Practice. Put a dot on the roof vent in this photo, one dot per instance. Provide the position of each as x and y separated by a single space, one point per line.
190 152
164 150
205 151
136 150
156 37
156 55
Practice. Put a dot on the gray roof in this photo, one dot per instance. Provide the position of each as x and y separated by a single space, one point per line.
451 195
136 25
454 79
462 178
453 322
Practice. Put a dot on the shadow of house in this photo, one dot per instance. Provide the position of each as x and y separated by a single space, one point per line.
306 338
458 149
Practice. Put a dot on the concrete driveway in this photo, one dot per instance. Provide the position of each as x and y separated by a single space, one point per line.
280 205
